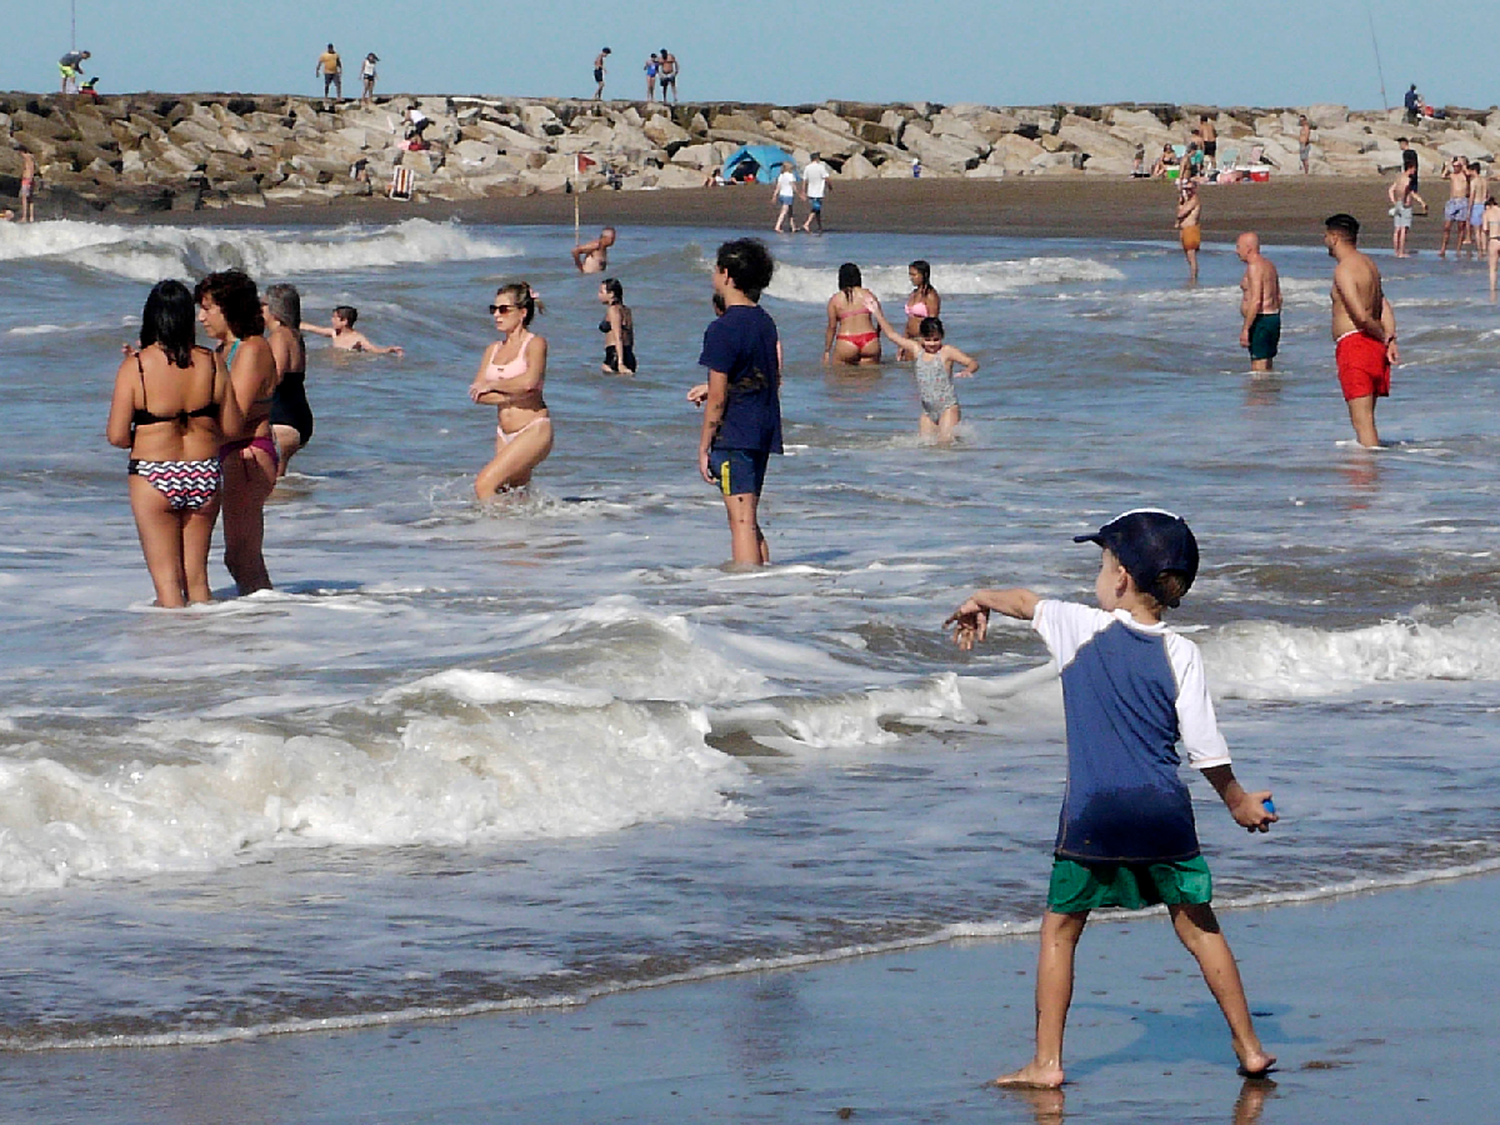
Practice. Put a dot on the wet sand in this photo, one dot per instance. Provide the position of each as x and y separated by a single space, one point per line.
1286 210
1379 1006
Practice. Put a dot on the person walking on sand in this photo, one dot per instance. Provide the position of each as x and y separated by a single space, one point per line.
1456 210
669 70
1400 195
331 67
593 257
1304 144
785 194
367 79
1364 327
814 188
742 410
1189 217
599 61
1132 689
510 378
1260 303
28 187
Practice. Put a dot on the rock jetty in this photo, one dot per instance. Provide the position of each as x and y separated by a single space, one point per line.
154 152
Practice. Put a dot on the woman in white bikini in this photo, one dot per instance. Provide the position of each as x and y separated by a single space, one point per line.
922 302
510 378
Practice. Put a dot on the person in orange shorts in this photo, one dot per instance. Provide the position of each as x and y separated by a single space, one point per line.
1189 217
1364 327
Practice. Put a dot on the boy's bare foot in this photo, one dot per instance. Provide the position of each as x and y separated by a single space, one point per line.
1032 1076
1255 1063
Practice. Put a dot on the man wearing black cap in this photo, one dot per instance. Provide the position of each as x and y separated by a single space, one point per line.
1126 836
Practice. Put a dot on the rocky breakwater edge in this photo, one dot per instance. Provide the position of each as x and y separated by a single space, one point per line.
143 153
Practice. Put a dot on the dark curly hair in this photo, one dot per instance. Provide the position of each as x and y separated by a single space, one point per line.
749 265
235 295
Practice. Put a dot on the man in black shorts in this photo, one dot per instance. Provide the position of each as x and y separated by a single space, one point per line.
599 74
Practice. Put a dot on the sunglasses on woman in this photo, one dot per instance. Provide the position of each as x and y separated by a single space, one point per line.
495 310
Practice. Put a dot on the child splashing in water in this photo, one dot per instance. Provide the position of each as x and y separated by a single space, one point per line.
934 372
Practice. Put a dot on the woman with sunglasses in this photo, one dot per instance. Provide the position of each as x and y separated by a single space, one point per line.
510 378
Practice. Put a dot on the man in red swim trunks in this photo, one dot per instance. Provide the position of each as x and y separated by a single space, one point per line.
1364 327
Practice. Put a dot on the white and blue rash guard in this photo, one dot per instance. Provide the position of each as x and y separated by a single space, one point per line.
1130 691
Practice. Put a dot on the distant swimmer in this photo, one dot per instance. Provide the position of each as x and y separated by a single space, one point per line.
1400 195
618 327
510 378
935 361
291 416
593 257
851 336
1189 216
345 338
1260 303
1364 327
1490 220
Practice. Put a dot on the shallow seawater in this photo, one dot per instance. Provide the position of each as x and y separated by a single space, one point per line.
472 757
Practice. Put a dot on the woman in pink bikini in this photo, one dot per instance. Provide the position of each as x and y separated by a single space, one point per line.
510 378
851 336
229 310
922 302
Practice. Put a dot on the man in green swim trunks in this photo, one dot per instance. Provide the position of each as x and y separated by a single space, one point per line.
1260 303
70 66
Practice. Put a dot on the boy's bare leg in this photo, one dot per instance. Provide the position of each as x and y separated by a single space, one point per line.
746 543
1362 417
1200 933
1054 993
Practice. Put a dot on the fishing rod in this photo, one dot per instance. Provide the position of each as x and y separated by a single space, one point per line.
1384 104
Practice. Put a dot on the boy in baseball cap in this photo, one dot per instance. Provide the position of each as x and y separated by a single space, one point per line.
1126 837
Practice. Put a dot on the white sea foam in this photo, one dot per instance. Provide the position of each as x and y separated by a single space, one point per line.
149 253
1266 660
891 283
218 790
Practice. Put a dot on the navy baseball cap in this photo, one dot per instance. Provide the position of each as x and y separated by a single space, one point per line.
1150 542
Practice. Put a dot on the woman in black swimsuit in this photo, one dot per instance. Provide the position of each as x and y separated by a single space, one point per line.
173 474
291 417
618 327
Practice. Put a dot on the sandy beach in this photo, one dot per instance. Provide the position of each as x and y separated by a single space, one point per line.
1396 1028
1286 210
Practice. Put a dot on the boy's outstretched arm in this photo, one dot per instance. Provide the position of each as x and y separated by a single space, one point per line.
1248 809
971 621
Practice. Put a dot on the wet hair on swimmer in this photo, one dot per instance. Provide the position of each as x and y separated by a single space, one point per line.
236 297
347 313
521 294
849 277
931 328
1344 224
169 322
924 271
285 304
616 291
749 265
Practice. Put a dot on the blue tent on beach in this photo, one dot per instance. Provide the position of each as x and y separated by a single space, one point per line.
764 158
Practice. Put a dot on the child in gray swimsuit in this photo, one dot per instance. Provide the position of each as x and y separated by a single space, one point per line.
934 372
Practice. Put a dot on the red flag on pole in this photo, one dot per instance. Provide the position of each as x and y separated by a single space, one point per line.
585 163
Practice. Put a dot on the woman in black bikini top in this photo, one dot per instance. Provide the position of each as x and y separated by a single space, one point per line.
618 327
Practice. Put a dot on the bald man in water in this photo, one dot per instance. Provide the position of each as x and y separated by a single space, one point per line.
1260 303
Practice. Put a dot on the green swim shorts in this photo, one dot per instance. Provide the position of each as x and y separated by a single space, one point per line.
1265 335
1076 886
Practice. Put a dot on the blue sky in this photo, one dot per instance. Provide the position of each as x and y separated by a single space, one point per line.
1276 52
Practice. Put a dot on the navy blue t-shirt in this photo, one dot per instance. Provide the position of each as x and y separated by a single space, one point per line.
742 344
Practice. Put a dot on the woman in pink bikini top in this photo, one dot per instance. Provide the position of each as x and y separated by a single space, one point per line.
923 301
510 378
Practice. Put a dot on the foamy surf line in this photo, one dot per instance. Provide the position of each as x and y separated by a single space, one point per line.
149 253
952 933
807 285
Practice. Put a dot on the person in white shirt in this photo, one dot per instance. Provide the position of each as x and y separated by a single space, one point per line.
367 76
814 187
786 195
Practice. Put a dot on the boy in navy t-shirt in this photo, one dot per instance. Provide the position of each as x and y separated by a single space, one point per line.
742 413
1126 837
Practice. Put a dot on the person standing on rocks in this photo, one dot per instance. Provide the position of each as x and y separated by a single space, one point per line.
331 67
653 67
70 66
1304 143
1260 303
1210 142
814 188
599 61
668 75
1189 216
367 77
1364 327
